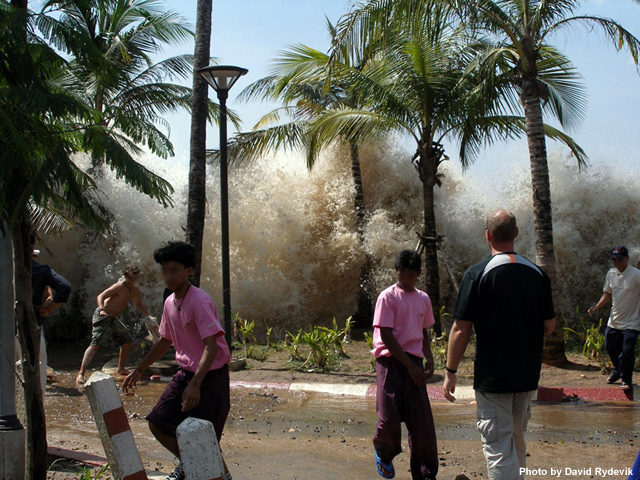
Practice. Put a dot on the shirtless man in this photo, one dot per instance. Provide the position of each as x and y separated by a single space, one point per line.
107 327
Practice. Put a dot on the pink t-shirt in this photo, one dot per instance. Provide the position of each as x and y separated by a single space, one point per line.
408 313
196 320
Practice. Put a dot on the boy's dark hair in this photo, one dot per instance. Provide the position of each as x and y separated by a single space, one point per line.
181 252
131 269
410 260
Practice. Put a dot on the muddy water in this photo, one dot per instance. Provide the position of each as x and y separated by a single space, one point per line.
276 434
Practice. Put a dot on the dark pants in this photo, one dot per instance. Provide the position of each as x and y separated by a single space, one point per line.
399 400
214 402
620 345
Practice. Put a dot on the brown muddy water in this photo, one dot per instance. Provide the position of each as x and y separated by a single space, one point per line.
277 434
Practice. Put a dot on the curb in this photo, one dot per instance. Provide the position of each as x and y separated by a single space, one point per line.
464 393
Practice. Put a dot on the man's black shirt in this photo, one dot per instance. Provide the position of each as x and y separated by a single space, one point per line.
507 298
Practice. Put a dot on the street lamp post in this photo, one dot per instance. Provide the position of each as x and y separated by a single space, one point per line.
222 78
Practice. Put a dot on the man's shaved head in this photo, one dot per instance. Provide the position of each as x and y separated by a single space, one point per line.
502 226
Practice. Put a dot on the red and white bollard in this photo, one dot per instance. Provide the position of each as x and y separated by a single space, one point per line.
199 450
113 426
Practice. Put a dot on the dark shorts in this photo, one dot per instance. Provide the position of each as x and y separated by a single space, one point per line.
109 331
214 402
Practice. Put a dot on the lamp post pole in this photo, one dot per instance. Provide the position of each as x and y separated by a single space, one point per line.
224 216
222 78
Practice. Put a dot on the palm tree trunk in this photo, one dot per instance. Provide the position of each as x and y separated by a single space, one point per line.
29 338
197 199
364 315
431 268
554 351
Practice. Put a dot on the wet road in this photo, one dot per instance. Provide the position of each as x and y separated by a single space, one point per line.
273 434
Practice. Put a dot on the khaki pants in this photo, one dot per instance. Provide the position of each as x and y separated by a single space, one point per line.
502 421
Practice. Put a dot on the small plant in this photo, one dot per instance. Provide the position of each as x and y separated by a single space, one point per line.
270 341
320 341
368 337
246 330
594 345
294 346
88 474
439 349
348 325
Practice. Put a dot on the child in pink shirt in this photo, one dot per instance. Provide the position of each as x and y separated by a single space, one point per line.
190 323
400 345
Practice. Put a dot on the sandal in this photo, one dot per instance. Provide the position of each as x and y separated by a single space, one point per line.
385 470
613 378
626 387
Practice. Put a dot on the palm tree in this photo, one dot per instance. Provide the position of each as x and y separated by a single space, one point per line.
42 126
430 93
530 74
298 79
197 197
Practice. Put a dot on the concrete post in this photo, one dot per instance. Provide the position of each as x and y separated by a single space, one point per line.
199 450
113 427
12 444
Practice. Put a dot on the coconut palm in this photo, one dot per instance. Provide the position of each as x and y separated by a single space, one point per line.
111 44
533 76
298 79
431 93
43 125
197 196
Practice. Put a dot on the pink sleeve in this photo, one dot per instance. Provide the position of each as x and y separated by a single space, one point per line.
385 314
428 314
206 320
164 331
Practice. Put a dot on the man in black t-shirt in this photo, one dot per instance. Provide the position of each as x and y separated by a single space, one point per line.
508 300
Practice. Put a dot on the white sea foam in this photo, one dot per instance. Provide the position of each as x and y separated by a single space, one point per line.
295 256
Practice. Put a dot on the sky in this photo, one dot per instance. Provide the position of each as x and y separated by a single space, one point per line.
248 33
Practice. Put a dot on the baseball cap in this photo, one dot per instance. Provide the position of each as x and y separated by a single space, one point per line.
619 252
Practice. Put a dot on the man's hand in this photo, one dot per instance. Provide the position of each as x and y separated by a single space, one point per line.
131 382
102 312
417 375
593 310
191 396
449 386
428 369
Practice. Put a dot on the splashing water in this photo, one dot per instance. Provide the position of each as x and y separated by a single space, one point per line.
295 255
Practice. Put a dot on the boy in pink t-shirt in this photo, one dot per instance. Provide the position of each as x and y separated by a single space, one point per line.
400 345
190 323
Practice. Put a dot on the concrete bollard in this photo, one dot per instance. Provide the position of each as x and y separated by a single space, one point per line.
113 426
199 450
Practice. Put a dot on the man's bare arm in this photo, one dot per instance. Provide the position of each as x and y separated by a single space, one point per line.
549 326
604 300
138 303
426 351
460 335
191 395
390 341
156 353
108 293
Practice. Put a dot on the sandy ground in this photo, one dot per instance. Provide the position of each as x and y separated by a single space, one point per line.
298 436
356 368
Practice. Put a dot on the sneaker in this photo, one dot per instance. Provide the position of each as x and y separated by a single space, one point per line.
177 474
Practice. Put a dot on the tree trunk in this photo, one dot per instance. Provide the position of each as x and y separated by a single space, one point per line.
364 315
29 338
431 268
554 352
197 200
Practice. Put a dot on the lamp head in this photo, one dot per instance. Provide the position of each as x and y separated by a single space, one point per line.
222 77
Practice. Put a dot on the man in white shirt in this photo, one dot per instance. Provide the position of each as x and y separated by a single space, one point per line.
622 289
